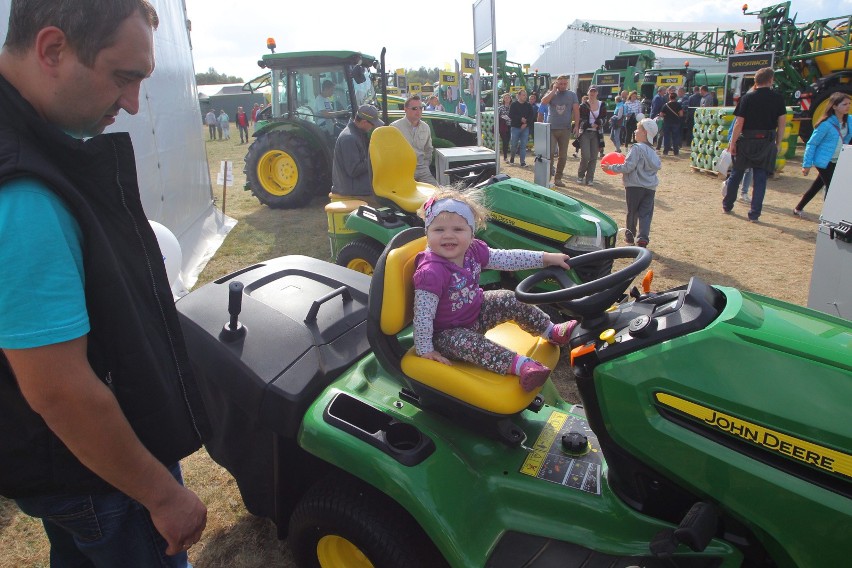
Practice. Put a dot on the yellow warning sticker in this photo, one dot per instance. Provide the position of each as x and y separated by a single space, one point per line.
547 460
827 459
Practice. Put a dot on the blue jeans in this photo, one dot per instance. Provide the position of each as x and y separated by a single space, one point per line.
759 177
671 137
518 143
105 530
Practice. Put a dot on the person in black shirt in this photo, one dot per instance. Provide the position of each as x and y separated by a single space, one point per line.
756 140
672 114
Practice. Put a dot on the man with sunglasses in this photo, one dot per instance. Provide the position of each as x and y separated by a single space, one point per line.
419 135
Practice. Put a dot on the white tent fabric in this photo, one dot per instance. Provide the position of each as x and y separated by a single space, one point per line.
171 159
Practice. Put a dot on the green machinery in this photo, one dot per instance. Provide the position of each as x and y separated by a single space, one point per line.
812 60
290 160
713 430
624 72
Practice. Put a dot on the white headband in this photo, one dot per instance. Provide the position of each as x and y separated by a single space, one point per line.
434 208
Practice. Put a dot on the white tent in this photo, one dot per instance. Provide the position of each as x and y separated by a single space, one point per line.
171 159
576 51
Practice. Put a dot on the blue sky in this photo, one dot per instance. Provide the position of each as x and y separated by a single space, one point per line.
232 36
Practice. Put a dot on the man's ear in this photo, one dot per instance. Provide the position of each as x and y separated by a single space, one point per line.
51 48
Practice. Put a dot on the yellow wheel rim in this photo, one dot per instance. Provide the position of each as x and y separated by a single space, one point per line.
277 172
360 265
337 552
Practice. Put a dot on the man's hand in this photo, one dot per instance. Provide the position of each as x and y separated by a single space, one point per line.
435 356
180 517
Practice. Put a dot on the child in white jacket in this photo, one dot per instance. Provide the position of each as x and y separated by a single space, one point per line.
640 182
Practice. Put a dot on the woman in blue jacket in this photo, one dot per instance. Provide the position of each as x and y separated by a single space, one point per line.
823 148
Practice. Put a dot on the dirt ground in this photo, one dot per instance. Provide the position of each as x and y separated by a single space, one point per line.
690 236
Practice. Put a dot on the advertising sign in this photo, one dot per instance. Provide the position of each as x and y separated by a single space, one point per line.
750 62
468 63
449 78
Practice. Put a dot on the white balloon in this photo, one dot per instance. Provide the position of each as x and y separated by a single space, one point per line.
170 250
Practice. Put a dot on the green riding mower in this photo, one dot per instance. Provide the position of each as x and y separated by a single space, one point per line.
523 215
713 430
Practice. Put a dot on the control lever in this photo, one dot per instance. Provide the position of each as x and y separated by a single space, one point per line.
233 329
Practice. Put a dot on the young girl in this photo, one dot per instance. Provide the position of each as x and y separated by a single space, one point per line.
824 145
451 311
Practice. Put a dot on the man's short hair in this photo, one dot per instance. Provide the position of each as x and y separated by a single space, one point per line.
704 88
764 76
412 98
89 25
562 77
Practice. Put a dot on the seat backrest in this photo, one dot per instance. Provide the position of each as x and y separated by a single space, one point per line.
398 302
391 305
393 161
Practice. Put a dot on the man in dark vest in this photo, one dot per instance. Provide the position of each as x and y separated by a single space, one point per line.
97 400
758 132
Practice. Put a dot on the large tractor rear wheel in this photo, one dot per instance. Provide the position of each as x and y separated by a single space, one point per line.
282 170
818 109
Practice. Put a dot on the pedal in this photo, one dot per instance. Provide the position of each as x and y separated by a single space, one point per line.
695 531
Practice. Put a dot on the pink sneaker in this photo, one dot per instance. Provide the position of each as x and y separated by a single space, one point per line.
533 374
561 332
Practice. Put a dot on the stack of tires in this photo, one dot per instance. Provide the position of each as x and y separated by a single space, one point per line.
710 137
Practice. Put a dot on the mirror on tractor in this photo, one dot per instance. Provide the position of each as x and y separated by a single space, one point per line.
358 73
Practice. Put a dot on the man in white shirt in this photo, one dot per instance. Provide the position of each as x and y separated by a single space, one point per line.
419 135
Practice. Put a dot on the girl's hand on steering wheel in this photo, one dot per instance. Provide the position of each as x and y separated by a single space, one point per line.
556 259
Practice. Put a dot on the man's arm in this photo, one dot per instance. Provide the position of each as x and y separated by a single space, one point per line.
352 161
548 95
738 128
575 111
779 133
60 385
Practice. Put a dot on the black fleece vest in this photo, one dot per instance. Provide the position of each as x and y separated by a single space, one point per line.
135 345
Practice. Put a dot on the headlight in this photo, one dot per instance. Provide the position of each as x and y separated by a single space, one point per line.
584 243
587 243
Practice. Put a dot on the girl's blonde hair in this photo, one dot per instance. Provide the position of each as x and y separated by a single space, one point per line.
472 197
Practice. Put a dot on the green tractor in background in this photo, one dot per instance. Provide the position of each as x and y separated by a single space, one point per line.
290 160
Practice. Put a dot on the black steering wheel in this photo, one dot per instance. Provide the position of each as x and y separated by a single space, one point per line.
590 299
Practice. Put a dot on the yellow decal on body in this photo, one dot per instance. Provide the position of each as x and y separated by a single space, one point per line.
535 459
530 227
813 454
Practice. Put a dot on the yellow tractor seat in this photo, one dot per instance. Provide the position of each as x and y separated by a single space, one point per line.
394 162
472 385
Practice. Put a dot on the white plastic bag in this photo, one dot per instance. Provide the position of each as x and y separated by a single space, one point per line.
725 162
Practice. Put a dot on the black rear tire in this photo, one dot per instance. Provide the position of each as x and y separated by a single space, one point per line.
361 255
806 128
282 170
344 521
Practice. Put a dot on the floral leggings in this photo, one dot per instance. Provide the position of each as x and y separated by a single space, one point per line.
470 344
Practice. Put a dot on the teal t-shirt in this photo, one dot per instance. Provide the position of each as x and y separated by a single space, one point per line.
42 298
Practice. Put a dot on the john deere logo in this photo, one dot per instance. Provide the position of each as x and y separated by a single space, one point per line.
812 454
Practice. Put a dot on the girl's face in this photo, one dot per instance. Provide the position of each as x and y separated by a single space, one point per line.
507 99
449 236
842 107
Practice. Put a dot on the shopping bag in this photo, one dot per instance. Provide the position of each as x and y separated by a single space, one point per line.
725 162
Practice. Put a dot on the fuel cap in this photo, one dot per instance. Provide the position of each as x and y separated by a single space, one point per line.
575 443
